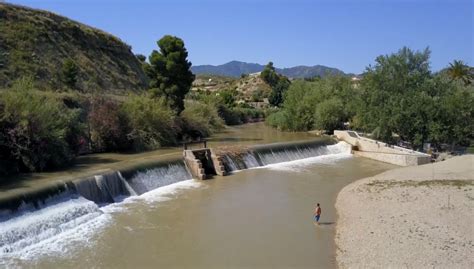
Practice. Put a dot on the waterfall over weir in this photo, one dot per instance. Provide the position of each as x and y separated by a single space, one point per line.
151 179
33 220
38 217
278 153
107 188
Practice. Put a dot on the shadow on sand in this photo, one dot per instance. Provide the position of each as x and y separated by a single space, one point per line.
325 223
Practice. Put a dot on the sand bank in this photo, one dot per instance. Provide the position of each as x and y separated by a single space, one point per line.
411 217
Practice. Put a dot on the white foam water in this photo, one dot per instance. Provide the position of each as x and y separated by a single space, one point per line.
168 192
149 180
336 152
63 225
31 232
300 153
59 227
289 160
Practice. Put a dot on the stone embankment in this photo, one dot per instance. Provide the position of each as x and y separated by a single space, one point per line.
380 151
410 217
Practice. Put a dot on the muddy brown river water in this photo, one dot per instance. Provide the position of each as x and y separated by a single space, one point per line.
255 218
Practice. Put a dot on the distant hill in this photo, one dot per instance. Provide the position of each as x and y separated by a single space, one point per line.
236 68
247 85
230 69
37 43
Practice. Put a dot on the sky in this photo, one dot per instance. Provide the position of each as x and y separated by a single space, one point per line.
346 34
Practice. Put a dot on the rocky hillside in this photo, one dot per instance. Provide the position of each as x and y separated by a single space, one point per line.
236 68
38 43
246 86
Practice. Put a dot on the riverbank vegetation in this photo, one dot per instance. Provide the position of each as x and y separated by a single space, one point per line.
398 95
43 129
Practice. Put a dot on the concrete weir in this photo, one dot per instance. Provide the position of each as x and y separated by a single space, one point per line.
203 163
380 151
111 186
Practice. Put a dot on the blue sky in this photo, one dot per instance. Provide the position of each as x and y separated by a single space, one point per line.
344 34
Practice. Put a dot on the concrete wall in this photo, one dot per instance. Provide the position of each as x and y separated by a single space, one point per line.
218 164
380 151
194 165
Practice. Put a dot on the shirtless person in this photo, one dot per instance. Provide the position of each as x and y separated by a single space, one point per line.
317 213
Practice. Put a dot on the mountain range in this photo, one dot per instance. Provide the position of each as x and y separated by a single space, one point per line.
236 68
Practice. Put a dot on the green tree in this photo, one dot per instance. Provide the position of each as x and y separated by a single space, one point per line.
390 101
277 95
141 57
452 116
458 70
329 115
269 74
169 72
297 113
69 73
324 104
278 83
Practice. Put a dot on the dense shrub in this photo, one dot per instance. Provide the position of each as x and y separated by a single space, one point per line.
330 115
38 131
323 104
152 122
229 115
239 115
108 126
200 119
248 114
298 109
277 119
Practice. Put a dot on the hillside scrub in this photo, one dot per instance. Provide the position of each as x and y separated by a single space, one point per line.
225 102
47 46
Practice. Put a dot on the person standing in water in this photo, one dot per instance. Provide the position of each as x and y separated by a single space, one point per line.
317 213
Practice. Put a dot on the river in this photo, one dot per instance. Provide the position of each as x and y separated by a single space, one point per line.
254 218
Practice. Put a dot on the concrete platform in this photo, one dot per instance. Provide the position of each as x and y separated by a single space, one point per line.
381 151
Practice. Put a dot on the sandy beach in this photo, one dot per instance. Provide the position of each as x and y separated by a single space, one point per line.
410 217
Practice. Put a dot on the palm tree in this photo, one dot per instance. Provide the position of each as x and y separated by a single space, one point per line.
459 70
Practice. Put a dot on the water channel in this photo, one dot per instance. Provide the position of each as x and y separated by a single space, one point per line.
254 218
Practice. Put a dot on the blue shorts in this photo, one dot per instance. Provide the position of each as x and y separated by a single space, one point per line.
317 217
